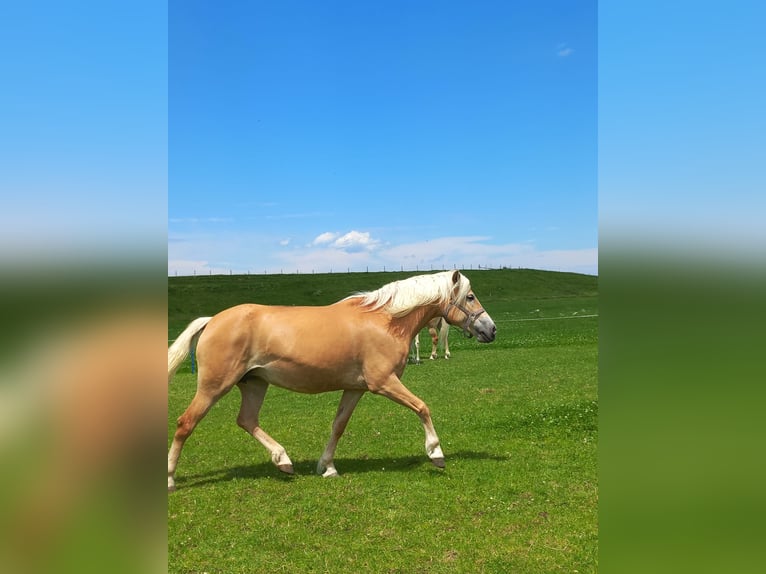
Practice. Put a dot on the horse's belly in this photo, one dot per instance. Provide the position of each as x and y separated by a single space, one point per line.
311 380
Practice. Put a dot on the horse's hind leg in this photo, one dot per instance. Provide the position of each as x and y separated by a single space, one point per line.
348 402
434 343
253 392
197 409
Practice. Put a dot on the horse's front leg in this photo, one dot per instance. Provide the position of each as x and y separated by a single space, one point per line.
414 356
348 402
393 389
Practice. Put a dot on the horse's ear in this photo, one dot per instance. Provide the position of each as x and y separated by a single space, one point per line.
456 277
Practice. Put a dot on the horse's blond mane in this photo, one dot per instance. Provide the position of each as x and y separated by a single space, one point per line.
399 298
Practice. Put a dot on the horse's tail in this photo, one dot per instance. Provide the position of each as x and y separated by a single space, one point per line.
181 347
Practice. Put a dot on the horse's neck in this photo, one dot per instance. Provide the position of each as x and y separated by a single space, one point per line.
413 322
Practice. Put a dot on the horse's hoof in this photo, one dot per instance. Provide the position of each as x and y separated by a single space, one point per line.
438 462
330 472
171 488
286 468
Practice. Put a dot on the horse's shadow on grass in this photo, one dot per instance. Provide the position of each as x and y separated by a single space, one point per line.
346 466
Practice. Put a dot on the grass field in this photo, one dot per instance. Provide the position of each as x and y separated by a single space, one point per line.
517 420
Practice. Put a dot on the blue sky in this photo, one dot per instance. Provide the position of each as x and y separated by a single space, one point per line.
308 136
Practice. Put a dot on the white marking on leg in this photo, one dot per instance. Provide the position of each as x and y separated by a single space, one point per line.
253 394
433 447
330 471
397 392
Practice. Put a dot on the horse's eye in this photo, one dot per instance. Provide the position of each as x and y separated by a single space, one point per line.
470 297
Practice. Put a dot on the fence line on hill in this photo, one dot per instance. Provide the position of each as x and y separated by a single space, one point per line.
331 271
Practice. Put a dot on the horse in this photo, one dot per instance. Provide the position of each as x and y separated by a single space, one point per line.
355 345
438 328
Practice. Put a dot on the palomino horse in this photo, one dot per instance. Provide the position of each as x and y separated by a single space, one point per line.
355 345
438 328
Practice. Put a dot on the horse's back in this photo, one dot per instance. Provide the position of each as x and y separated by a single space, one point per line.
267 325
329 322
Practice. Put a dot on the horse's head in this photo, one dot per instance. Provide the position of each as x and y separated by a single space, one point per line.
464 310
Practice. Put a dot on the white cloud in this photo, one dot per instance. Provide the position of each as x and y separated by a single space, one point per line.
563 50
285 242
326 237
351 242
355 241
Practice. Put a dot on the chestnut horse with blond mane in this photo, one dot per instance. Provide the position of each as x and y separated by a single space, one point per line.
358 344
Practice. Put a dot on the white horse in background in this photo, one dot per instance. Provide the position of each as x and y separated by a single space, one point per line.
438 328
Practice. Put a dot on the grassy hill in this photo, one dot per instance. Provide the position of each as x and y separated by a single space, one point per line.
518 421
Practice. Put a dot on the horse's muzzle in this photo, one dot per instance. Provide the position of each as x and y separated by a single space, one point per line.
485 331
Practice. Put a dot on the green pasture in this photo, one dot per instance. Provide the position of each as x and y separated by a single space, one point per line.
517 419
